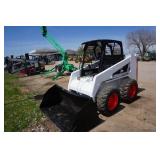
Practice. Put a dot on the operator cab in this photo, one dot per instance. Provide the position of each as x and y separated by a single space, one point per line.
99 55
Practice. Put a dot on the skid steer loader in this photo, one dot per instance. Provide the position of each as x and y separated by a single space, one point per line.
99 85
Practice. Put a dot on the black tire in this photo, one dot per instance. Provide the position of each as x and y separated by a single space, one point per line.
42 69
28 73
9 70
125 91
103 98
59 68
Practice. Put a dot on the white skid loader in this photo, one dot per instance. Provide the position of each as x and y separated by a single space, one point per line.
106 77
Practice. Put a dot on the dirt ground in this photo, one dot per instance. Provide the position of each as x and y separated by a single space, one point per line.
138 116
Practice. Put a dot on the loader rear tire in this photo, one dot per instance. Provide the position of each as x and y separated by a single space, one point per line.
129 91
108 100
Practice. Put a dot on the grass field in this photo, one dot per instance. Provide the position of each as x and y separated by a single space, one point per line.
20 108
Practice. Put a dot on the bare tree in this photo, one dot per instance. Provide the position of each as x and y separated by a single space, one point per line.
142 40
79 54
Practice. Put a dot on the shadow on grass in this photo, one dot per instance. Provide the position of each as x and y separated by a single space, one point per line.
38 97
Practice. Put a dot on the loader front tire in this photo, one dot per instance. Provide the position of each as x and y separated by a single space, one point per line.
108 100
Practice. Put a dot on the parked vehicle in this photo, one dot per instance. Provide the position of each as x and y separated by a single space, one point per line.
100 83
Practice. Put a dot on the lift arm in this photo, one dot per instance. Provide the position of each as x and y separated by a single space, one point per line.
54 43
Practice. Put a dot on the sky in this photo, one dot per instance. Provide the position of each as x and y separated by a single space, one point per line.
23 39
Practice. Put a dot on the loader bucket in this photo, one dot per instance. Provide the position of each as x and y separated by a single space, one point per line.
69 111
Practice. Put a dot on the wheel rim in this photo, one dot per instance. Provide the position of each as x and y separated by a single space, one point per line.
112 101
132 91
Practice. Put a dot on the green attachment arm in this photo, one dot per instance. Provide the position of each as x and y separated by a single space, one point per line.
44 31
66 66
53 42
